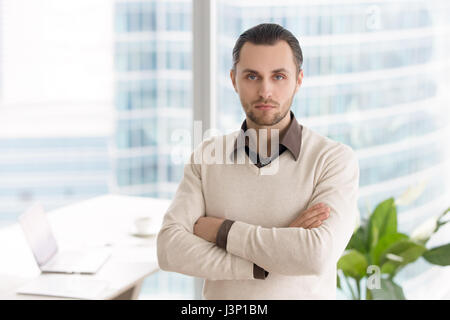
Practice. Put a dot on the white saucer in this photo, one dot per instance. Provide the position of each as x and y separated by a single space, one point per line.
149 233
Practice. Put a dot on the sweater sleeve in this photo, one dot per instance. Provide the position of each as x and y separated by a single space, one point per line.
180 250
298 251
221 242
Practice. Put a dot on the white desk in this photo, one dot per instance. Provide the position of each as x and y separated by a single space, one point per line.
104 221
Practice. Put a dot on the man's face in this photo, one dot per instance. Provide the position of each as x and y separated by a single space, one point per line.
266 75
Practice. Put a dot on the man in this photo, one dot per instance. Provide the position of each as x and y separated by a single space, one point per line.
253 232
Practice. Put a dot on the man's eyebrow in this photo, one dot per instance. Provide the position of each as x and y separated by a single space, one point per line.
273 71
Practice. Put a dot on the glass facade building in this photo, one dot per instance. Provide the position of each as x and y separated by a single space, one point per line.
153 93
54 106
55 171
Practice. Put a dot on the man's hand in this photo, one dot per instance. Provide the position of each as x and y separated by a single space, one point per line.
207 228
312 217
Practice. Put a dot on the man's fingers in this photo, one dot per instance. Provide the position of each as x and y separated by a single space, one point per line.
315 224
315 210
313 220
317 206
308 215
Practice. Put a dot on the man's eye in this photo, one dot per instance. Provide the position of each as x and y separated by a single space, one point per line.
253 77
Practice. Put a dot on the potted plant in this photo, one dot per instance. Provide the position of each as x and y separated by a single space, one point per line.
376 253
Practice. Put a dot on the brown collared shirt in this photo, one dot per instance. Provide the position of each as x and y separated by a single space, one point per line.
291 141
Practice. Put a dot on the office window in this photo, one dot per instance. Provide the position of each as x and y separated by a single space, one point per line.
153 79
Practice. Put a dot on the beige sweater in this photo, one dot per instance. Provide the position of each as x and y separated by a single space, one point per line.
263 202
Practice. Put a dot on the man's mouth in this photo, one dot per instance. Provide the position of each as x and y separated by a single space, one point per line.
264 106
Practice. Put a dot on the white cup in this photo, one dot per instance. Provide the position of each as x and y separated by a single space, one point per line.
143 225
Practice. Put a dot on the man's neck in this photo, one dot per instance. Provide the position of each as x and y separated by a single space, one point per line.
281 126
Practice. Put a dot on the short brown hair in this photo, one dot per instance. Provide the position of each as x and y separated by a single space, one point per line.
268 34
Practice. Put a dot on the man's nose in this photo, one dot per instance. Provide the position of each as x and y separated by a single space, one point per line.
265 90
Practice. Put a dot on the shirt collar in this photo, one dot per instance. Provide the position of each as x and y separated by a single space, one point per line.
292 139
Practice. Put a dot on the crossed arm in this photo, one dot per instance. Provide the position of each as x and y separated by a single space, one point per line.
216 230
208 227
187 240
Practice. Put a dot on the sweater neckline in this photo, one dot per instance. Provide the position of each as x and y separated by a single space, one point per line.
267 169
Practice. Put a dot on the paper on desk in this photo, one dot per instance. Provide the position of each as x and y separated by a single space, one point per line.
69 286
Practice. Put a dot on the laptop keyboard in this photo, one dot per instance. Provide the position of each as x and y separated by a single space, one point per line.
74 261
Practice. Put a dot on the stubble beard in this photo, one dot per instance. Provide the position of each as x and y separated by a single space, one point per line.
277 117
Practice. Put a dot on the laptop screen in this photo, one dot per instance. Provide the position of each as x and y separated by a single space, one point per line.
38 234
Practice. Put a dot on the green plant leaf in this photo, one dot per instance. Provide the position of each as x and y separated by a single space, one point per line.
442 215
338 281
438 255
358 241
405 250
389 291
384 243
353 264
389 267
441 222
383 221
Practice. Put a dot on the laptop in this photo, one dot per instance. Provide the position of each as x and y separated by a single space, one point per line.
43 244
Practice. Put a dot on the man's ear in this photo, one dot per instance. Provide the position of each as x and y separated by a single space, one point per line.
299 80
233 79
